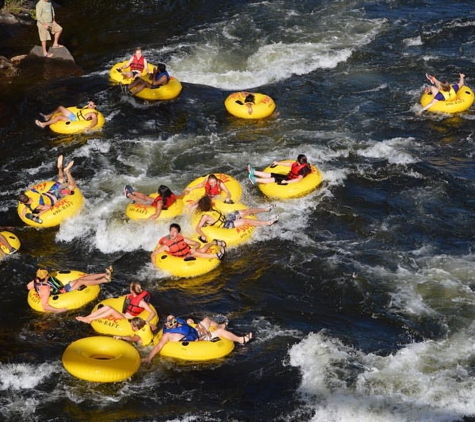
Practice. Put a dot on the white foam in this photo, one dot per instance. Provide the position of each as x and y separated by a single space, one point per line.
394 150
22 376
426 381
411 42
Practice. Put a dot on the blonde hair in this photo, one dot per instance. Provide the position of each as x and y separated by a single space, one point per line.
136 287
137 322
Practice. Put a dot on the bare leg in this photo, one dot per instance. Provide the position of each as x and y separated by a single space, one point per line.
4 242
45 52
103 312
56 39
253 211
140 197
255 223
141 87
71 181
92 279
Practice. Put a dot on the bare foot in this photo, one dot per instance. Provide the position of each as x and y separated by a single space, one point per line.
68 167
39 124
83 319
48 55
60 162
58 46
45 117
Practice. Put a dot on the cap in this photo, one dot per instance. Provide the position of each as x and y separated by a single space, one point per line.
42 274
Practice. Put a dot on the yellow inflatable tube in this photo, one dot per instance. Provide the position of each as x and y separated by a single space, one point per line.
118 76
12 240
71 300
178 267
232 237
293 190
142 212
461 102
264 105
166 92
118 327
233 186
66 127
66 207
101 359
197 351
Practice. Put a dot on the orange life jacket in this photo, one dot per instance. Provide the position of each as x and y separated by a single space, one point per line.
169 201
295 169
131 304
137 64
177 246
212 191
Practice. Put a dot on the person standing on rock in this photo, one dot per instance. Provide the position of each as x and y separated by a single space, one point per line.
47 25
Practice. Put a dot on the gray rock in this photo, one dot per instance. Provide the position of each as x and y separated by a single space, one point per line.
58 53
8 19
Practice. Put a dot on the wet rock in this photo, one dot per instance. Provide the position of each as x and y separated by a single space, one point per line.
18 59
8 19
58 53
7 68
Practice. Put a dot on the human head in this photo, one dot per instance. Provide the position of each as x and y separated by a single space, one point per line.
42 274
302 159
137 323
212 180
171 322
91 104
174 230
164 191
445 86
161 67
136 287
138 51
23 198
204 204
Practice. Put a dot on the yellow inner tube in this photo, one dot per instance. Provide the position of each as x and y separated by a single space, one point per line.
12 240
178 267
65 208
118 327
233 186
166 92
142 212
119 76
264 105
232 237
101 359
66 127
197 351
70 300
461 102
293 190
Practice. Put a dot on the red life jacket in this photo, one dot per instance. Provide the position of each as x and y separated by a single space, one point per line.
169 201
295 170
131 304
177 246
137 64
212 191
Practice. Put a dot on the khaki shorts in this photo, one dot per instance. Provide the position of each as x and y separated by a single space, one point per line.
45 34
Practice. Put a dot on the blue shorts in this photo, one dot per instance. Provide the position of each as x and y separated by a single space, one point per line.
230 219
72 117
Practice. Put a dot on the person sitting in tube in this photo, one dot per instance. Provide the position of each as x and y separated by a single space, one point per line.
249 100
165 199
137 64
63 187
442 91
182 247
135 303
160 77
46 285
143 334
86 113
298 170
177 329
231 220
213 188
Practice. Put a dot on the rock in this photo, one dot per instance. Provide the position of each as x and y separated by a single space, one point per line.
7 68
18 59
8 19
58 53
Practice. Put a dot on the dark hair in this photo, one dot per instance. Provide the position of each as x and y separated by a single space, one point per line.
175 226
165 192
445 86
212 176
302 159
204 204
161 67
136 287
23 198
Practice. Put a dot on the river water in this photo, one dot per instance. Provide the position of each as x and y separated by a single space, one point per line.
361 298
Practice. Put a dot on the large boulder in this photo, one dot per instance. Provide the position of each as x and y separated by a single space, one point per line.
7 68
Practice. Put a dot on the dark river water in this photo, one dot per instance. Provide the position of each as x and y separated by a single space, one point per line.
361 298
